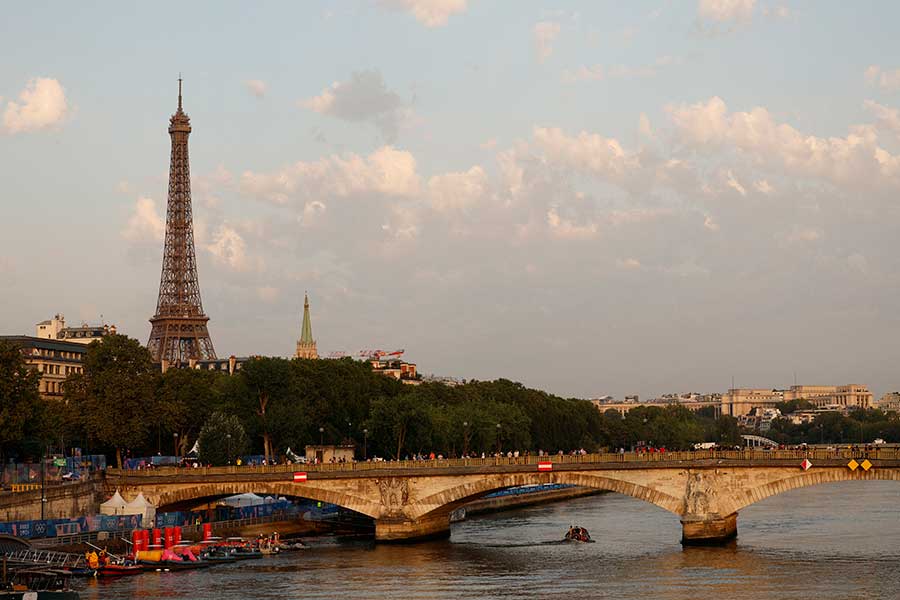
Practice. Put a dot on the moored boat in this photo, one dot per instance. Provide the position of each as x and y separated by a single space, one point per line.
119 570
38 584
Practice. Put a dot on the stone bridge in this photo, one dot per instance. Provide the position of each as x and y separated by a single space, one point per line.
411 500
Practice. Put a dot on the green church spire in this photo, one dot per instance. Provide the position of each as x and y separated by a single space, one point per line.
306 333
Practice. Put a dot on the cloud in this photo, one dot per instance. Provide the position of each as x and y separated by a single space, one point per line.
430 13
145 224
567 229
886 79
734 184
726 11
710 224
764 187
256 87
386 171
587 151
628 264
544 34
804 235
458 191
887 118
42 105
228 248
599 72
364 98
850 161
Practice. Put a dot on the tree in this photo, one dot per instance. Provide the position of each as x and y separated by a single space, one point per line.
115 394
184 400
222 438
19 397
402 423
265 393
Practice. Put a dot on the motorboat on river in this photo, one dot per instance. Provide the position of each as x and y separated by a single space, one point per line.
578 534
38 584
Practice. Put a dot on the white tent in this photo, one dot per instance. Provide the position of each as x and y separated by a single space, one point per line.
140 506
243 500
114 506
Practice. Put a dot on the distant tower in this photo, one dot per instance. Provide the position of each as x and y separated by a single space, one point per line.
179 331
306 345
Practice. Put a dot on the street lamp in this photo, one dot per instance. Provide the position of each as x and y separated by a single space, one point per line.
228 437
175 438
349 436
321 435
498 439
365 444
465 439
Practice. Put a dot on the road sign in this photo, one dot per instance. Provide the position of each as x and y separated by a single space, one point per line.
299 476
805 465
866 465
852 465
545 465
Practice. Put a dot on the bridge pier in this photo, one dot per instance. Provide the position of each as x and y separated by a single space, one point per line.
706 531
401 529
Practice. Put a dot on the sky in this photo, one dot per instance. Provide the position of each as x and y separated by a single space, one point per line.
588 197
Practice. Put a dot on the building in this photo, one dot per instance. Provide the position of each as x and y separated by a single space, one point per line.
759 419
890 402
692 401
396 368
326 453
740 401
306 345
54 359
851 395
56 329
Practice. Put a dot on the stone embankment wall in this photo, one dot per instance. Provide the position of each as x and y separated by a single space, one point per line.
63 501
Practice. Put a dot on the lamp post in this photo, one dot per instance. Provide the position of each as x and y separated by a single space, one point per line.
349 435
175 443
498 439
228 437
465 439
365 444
321 435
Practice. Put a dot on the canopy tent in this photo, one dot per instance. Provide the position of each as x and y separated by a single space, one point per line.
195 449
293 456
141 506
244 500
114 506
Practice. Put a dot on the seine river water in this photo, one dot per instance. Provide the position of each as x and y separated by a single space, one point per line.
837 541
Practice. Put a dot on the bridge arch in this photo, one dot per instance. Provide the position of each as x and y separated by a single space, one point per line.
168 495
735 502
452 498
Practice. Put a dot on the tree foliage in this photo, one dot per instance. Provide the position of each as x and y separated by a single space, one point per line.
19 397
222 439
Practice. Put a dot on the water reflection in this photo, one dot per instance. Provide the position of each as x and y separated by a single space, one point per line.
827 542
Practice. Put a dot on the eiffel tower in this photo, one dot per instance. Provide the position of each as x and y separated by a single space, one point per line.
179 332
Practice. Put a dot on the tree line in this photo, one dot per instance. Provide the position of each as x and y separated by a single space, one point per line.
122 405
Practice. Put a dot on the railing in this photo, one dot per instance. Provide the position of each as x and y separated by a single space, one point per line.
748 455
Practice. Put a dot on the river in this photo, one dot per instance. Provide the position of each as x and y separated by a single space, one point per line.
837 541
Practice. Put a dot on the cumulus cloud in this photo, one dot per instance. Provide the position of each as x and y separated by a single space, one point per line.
363 98
256 87
887 118
145 224
42 105
855 159
567 228
386 171
430 13
726 11
228 248
886 79
458 191
544 34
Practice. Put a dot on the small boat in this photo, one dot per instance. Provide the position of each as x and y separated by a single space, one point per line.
216 556
241 553
173 565
38 584
578 534
119 570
